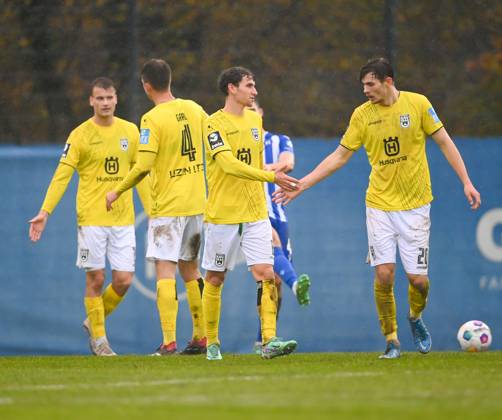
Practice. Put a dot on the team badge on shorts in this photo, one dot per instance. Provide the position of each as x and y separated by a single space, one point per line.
256 133
219 260
84 255
124 144
405 120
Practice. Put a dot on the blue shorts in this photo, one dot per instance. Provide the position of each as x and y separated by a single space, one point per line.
282 229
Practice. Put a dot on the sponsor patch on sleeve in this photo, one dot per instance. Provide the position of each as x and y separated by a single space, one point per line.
215 140
433 114
144 136
66 150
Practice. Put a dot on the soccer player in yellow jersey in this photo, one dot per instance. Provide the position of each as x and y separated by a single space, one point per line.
236 212
171 151
101 150
392 127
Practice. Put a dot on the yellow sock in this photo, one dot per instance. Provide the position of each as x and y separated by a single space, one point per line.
167 304
267 309
111 300
386 308
417 299
194 298
211 304
96 314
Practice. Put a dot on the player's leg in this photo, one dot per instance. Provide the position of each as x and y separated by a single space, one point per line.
164 242
188 266
91 257
414 250
121 251
194 284
167 305
256 245
283 266
382 243
386 308
220 253
211 305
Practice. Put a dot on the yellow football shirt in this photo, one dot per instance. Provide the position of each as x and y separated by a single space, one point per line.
231 199
102 156
394 139
173 131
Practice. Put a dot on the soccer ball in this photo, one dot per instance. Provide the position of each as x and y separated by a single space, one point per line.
474 336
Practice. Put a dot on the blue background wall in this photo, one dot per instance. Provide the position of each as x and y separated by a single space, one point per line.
41 290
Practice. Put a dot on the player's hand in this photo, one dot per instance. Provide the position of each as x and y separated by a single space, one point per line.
110 198
284 197
286 182
473 196
37 225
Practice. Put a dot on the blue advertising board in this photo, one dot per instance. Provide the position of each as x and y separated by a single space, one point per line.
41 290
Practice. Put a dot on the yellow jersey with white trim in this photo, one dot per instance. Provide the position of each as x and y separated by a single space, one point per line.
394 139
231 199
173 131
102 156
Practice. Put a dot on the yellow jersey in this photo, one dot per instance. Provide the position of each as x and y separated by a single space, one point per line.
173 131
232 199
394 139
102 156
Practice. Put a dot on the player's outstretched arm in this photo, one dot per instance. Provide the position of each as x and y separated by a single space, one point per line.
454 158
233 166
37 225
328 166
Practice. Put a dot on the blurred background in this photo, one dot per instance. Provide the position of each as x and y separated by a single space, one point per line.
306 57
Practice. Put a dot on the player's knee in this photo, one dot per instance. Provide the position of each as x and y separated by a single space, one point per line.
216 278
95 279
418 281
385 273
189 270
263 272
121 281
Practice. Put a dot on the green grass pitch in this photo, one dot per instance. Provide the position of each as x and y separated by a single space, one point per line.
309 386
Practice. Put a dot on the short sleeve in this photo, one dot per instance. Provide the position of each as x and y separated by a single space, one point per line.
430 120
71 151
215 138
148 136
285 144
353 137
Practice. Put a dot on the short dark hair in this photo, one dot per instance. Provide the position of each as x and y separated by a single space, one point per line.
380 67
232 75
101 82
158 73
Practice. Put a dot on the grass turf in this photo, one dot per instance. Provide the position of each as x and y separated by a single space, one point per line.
302 386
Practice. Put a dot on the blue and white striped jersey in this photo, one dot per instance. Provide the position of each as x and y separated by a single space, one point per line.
275 144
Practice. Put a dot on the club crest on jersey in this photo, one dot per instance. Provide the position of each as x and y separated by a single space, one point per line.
144 135
219 260
124 144
215 140
256 133
66 150
405 120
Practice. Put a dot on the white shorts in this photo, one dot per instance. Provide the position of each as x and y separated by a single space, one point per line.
407 229
223 243
95 243
174 238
